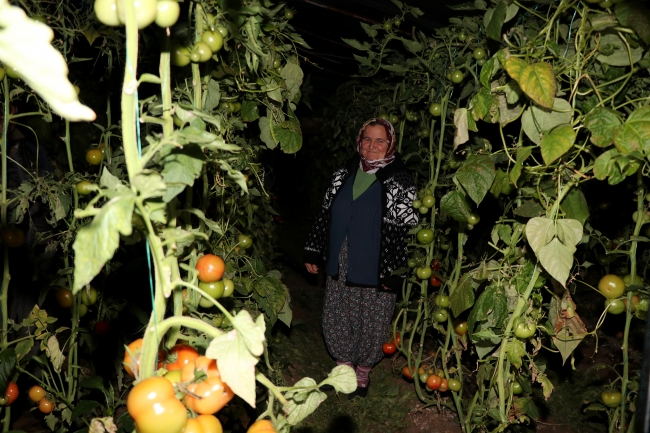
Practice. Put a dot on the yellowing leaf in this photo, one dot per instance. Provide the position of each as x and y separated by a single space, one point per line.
514 66
557 142
537 80
634 135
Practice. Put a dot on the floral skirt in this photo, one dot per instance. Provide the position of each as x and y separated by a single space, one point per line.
356 320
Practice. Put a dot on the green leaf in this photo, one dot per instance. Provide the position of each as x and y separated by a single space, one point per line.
92 382
454 205
285 315
526 406
634 135
249 111
619 55
342 378
481 104
288 134
83 407
369 30
411 45
569 231
292 75
575 206
494 19
536 121
539 232
603 164
213 96
7 365
484 305
297 411
602 123
557 259
181 166
530 208
508 112
96 242
547 386
501 182
398 69
462 297
557 142
365 46
487 72
237 354
265 133
636 15
522 155
476 176
515 351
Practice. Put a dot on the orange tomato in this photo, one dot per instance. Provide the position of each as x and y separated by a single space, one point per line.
132 357
36 393
433 382
211 268
45 406
203 424
184 353
444 385
261 426
407 373
212 393
153 405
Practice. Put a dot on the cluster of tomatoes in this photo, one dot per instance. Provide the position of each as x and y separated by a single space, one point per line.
164 13
36 395
89 296
612 287
434 380
201 51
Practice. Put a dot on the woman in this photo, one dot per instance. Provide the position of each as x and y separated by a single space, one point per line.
360 237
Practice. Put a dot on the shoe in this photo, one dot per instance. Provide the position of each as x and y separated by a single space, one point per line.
360 392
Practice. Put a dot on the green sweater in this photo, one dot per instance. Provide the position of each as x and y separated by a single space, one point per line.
361 183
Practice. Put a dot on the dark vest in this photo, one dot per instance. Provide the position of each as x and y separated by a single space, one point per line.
357 222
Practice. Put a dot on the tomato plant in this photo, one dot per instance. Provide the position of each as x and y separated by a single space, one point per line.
442 301
64 298
45 406
423 273
89 296
433 382
131 360
84 188
460 327
425 236
203 424
435 281
454 385
524 329
167 13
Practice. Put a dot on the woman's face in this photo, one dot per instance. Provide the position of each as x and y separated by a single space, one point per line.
374 142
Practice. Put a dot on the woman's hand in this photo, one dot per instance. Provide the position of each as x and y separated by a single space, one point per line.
312 269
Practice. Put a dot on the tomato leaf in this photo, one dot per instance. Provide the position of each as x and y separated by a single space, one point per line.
83 407
249 111
53 351
181 166
634 135
602 123
454 205
342 378
557 142
535 121
526 406
477 175
522 155
494 19
365 46
96 242
462 296
575 206
515 350
369 30
288 134
237 354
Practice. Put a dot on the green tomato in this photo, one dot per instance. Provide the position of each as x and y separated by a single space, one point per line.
442 301
180 55
428 201
440 316
288 14
517 388
524 329
167 13
228 287
638 281
423 209
12 72
106 11
481 62
397 22
203 50
473 219
394 119
223 31
615 306
145 12
457 77
455 162
215 289
214 40
454 385
83 310
479 53
423 377
388 26
445 245
384 116
424 273
462 36
84 188
424 133
611 398
417 204
89 296
611 286
425 236
412 263
435 109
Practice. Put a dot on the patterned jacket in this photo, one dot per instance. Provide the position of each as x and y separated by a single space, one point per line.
398 193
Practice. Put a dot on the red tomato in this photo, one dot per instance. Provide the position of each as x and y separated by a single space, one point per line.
211 268
210 395
389 348
407 372
398 339
183 353
433 382
11 237
102 328
153 405
444 385
435 265
435 281
11 393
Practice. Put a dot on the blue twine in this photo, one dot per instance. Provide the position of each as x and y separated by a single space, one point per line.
569 35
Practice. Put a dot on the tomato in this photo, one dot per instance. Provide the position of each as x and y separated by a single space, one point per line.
638 281
12 237
455 162
606 4
64 297
210 267
153 405
94 156
180 55
479 53
244 241
435 281
89 296
145 12
435 109
228 288
203 424
615 306
611 286
524 329
85 188
11 393
384 116
481 62
237 110
646 217
388 26
611 398
398 339
440 316
407 372
389 348
397 22
444 385
173 376
394 119
101 329
45 406
12 72
425 236
635 302
460 328
210 395
214 40
201 52
83 310
214 289
462 36
517 388
433 382
183 353
473 219
423 209
423 377
424 133
36 393
132 357
435 265
423 273
223 31
457 77
442 301
412 263
288 14
261 426
428 201
454 385
445 245
106 11
167 13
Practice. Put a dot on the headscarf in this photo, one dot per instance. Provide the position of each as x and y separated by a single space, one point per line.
373 166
